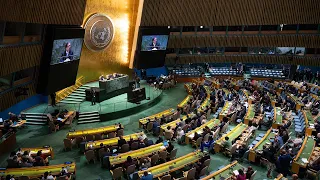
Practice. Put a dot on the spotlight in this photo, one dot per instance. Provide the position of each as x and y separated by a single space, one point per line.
169 27
201 27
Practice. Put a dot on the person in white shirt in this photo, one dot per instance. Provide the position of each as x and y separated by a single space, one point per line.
180 134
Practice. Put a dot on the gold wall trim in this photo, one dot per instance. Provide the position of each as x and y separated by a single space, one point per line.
136 33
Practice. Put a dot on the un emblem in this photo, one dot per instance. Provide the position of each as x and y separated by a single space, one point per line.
99 32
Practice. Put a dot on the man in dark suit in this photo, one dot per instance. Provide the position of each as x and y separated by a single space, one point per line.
93 97
154 45
67 54
121 142
53 99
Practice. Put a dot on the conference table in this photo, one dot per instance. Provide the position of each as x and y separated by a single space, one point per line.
93 131
302 158
108 142
38 171
69 115
16 125
227 172
277 118
258 148
159 115
233 134
184 101
199 130
249 115
225 110
174 165
309 122
143 152
46 150
173 124
188 88
299 104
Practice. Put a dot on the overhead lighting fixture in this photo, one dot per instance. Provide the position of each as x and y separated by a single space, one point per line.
201 27
169 27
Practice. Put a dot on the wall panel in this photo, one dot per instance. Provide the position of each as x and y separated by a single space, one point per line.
306 61
229 12
309 41
16 58
67 12
8 99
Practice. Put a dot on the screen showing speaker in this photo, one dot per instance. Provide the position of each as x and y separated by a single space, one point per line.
66 50
61 57
154 42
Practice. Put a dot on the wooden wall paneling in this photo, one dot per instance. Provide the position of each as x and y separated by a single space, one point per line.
229 12
17 58
44 12
8 99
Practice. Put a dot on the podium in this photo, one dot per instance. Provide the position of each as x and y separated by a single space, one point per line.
136 95
101 94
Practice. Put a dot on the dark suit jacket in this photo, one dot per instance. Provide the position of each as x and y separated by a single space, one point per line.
64 56
121 142
157 45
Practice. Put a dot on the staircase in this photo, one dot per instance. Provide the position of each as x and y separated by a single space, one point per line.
35 118
77 96
89 117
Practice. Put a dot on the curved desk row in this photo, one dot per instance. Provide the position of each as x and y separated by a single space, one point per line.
184 101
174 123
100 130
225 172
159 115
249 115
188 88
303 157
108 142
48 151
199 130
174 165
258 148
35 172
233 134
277 118
143 152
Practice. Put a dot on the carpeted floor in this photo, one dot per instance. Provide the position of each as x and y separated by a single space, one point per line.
37 136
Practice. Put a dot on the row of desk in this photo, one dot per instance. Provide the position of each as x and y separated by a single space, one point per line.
199 130
48 151
296 100
140 153
184 102
15 125
159 115
233 134
38 171
226 172
174 165
108 142
93 131
258 148
278 121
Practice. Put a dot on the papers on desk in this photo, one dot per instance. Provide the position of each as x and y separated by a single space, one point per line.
311 126
236 172
304 160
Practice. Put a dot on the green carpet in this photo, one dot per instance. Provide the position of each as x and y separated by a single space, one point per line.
37 136
117 103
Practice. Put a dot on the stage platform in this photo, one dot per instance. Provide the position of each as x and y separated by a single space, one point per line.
112 108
